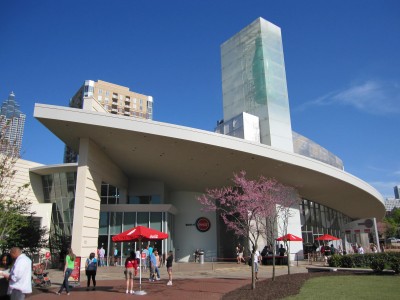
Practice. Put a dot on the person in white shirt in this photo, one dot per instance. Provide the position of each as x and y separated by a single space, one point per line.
20 277
360 249
102 253
257 257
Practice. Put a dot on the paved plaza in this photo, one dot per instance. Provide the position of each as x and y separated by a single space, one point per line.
190 281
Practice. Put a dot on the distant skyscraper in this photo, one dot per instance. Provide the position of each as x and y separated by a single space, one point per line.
12 122
254 81
397 191
116 99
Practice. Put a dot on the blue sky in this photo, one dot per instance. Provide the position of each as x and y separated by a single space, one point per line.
342 65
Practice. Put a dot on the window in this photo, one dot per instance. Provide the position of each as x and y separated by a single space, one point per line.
100 91
148 199
109 194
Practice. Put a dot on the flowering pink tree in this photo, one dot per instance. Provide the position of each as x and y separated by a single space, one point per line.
245 206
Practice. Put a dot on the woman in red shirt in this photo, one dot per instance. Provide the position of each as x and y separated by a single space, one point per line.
130 271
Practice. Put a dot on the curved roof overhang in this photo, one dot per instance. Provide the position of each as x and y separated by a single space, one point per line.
59 168
193 160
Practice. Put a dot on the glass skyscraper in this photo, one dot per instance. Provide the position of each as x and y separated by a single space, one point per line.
12 122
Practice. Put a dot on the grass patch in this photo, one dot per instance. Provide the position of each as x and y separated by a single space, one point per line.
350 287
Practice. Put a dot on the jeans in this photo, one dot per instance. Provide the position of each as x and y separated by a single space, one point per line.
158 272
17 295
65 282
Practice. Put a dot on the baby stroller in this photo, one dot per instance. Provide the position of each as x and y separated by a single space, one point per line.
41 278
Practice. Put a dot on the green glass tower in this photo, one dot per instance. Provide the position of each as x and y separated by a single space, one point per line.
254 81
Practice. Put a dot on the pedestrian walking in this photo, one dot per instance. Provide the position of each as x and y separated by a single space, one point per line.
170 259
69 266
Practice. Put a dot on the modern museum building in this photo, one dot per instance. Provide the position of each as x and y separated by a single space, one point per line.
133 171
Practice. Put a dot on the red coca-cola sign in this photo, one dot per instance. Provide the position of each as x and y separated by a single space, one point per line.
203 224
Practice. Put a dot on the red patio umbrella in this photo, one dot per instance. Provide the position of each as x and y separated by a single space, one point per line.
327 237
290 237
140 233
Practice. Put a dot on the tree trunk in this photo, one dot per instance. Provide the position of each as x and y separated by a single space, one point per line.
273 262
253 274
288 259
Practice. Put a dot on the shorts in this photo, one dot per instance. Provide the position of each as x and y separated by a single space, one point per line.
129 273
240 254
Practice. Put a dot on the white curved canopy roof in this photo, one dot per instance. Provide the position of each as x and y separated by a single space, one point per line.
193 160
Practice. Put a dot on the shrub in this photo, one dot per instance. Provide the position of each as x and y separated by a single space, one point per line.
335 261
378 263
394 264
347 261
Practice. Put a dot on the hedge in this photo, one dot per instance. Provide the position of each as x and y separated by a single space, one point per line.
376 261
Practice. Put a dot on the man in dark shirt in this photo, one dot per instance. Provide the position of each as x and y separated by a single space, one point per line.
281 252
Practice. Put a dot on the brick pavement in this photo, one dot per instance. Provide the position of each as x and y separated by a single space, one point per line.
191 281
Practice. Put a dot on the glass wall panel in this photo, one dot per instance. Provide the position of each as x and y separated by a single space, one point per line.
103 226
129 220
115 222
155 220
143 219
324 220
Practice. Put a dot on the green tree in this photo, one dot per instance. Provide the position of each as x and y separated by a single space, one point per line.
15 214
30 237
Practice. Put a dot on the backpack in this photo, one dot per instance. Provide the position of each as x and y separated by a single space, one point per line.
92 264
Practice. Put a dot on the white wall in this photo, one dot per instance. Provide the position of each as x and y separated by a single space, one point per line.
93 168
22 177
188 238
294 227
138 187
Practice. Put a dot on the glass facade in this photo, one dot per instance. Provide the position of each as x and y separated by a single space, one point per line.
113 223
317 219
307 147
254 81
59 189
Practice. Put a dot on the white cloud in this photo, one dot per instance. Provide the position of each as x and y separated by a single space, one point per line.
374 97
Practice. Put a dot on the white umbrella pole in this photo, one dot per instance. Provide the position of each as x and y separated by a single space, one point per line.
140 292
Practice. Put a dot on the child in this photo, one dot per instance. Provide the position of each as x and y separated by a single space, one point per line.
91 269
170 258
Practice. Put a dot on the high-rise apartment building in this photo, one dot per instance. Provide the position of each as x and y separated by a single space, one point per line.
115 99
254 81
12 122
